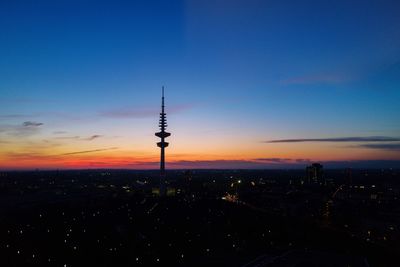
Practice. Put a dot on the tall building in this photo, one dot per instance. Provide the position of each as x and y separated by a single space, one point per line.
315 173
162 134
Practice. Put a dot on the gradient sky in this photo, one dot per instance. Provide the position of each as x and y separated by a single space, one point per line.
249 84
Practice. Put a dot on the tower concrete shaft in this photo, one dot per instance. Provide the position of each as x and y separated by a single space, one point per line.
162 134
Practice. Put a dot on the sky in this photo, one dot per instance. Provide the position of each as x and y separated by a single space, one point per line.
249 83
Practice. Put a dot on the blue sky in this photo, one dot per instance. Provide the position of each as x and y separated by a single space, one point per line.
260 69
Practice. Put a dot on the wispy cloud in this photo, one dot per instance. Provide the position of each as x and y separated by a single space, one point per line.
282 160
77 137
338 139
90 138
390 147
88 151
60 132
32 123
26 128
29 156
41 153
140 112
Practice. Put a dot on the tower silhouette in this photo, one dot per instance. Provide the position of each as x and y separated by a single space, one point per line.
162 134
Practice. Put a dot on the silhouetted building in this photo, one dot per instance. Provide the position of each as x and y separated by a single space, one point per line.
349 177
162 134
315 173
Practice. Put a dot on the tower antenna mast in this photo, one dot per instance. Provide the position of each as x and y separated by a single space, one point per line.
162 144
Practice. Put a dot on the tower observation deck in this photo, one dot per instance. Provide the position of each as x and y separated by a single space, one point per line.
162 134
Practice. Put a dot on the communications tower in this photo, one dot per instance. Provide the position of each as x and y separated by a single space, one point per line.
162 134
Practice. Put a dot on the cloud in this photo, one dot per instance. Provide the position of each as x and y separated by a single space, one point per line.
60 132
32 123
338 139
390 147
143 112
30 156
272 159
90 138
303 160
27 128
282 160
88 151
77 137
39 153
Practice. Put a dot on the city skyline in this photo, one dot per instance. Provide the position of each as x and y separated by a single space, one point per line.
250 84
